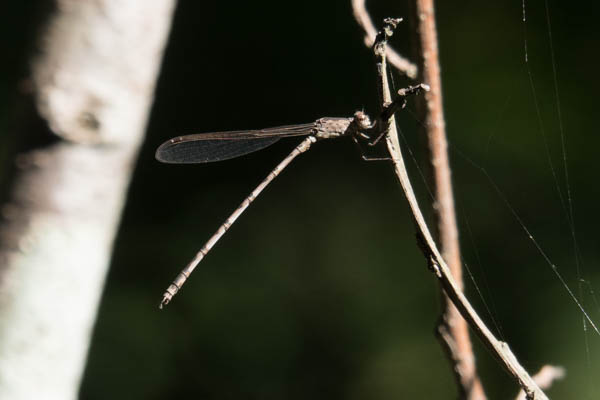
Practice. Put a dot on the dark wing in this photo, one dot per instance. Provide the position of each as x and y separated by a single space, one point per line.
217 146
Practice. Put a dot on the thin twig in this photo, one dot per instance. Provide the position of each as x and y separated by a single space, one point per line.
364 21
545 378
453 331
434 259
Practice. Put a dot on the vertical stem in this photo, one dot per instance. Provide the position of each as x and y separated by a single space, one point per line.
452 329
435 262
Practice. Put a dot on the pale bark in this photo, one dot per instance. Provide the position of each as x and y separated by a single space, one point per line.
94 80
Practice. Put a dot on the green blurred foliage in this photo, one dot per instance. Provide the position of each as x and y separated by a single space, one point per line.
319 290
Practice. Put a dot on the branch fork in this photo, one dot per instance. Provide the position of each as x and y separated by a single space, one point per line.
425 240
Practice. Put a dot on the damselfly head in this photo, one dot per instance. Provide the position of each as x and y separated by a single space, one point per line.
362 120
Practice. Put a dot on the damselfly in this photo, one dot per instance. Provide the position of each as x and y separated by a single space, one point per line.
218 146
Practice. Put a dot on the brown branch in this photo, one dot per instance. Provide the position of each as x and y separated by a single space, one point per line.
364 21
453 332
434 259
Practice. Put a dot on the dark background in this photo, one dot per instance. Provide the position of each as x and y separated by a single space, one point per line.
319 290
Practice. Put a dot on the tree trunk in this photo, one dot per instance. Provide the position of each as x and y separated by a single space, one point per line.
94 81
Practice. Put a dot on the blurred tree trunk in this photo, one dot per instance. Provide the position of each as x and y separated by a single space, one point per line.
94 80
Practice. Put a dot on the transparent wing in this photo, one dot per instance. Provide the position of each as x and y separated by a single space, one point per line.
218 146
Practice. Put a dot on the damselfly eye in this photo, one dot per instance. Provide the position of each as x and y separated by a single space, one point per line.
363 119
